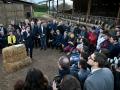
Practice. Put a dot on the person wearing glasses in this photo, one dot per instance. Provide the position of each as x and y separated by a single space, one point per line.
101 78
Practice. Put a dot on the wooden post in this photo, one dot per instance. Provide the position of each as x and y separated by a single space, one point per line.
49 7
53 7
73 10
57 6
63 5
89 8
118 16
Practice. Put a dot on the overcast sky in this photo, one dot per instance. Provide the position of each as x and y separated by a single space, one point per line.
60 1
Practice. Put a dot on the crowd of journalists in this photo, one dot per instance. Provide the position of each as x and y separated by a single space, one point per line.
87 49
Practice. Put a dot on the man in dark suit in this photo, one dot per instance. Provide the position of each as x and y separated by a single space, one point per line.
100 78
58 40
34 29
3 32
38 28
2 42
28 39
42 33
61 27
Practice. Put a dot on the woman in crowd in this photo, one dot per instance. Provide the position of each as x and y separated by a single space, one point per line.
35 80
11 39
71 44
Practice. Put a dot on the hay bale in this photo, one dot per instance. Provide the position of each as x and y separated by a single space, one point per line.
12 67
15 57
14 53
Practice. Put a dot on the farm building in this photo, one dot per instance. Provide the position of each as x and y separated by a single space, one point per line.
16 10
99 10
108 8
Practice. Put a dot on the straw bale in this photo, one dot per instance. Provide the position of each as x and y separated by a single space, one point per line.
12 67
15 57
14 53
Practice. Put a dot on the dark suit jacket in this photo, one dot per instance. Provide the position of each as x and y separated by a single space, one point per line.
100 80
42 34
5 31
29 40
34 30
61 28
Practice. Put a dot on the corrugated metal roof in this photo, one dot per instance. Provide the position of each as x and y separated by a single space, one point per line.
16 1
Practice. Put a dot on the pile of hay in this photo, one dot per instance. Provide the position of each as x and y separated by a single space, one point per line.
15 57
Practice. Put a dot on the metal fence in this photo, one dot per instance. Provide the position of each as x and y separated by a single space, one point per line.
105 22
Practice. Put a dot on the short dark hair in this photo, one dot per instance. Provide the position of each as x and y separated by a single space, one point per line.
69 82
64 62
83 63
105 51
100 58
85 49
118 63
19 85
84 55
115 38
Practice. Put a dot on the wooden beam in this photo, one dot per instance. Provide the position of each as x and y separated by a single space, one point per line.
89 8
57 6
63 5
49 6
118 16
53 7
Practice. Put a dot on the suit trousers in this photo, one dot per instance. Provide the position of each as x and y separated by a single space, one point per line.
43 42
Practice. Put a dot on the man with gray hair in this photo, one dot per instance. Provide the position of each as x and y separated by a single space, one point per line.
64 66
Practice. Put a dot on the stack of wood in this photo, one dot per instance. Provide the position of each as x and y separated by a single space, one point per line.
15 57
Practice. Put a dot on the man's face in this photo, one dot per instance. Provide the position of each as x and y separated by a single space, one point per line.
58 32
28 29
118 33
26 21
111 40
65 33
39 22
32 23
91 60
13 22
10 33
106 37
10 26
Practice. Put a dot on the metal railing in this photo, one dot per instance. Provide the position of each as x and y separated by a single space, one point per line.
105 22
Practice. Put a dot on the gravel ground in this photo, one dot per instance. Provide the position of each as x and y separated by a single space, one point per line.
46 61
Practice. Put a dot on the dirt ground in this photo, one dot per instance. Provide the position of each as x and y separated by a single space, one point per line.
46 61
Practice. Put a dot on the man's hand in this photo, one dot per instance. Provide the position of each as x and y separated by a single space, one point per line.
54 86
